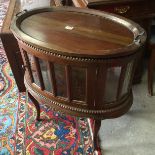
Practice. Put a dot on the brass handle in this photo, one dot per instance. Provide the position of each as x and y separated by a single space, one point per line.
137 39
20 13
24 67
122 9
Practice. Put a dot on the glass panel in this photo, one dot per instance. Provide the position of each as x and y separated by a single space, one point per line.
78 83
127 78
60 80
31 4
112 81
46 75
33 69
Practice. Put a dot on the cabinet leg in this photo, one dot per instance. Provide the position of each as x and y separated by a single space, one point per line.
151 66
36 103
97 126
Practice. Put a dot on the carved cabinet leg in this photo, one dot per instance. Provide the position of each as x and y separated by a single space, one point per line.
36 103
97 126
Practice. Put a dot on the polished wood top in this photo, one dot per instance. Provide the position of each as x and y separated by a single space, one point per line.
77 31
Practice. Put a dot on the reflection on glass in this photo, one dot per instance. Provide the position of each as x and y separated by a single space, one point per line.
127 78
60 80
31 4
78 83
34 70
111 85
46 75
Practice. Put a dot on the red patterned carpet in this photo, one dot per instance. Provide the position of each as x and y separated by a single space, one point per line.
9 98
57 134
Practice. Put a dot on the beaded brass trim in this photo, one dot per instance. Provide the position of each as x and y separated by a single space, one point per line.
72 58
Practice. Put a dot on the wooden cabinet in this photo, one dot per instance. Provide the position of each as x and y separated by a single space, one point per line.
77 66
11 46
128 8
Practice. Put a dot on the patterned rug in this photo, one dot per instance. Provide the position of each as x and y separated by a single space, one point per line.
57 134
8 98
21 134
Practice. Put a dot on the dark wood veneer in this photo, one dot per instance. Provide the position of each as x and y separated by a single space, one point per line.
104 71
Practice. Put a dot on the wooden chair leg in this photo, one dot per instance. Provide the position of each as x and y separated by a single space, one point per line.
35 102
150 72
97 126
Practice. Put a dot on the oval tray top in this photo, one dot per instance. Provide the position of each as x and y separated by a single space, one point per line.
78 32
